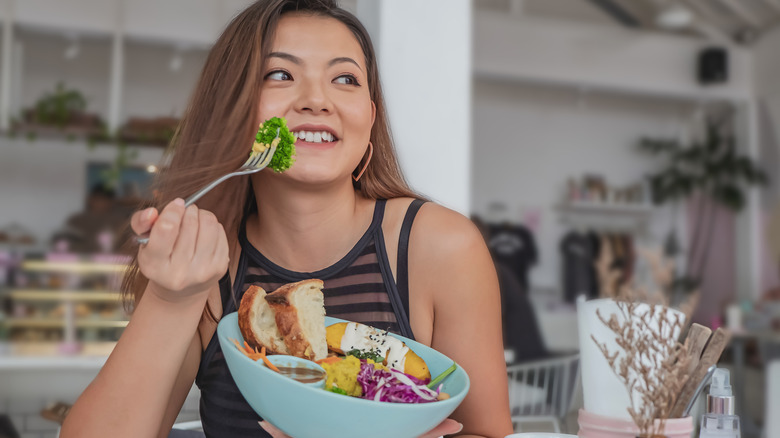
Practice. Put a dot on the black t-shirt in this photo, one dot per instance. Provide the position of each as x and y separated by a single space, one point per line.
578 252
521 329
513 246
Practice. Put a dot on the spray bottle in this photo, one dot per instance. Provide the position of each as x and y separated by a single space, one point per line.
720 421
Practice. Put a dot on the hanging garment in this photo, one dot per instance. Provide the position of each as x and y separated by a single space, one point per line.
515 248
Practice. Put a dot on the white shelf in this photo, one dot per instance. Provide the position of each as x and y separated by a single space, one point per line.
609 217
59 323
79 267
607 208
64 295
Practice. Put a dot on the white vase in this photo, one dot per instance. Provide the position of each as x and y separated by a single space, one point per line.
603 391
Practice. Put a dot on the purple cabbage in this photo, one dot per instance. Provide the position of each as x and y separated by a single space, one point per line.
393 386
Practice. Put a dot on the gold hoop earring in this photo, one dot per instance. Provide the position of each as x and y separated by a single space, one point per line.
365 166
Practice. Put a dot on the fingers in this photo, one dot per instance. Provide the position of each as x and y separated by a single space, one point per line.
208 255
275 433
166 228
188 235
142 221
187 249
447 427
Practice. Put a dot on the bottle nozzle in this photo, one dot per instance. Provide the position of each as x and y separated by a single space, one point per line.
721 383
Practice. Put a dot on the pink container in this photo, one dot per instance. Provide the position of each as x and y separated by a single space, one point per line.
598 426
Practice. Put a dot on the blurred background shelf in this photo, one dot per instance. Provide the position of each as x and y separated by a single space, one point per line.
62 295
59 323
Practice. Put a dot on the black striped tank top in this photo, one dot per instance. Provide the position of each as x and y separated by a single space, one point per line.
359 287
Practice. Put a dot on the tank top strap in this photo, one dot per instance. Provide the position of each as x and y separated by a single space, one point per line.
403 252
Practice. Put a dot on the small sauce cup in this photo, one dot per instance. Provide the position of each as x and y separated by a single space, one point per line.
301 370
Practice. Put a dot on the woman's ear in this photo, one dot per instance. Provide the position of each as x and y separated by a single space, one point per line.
373 113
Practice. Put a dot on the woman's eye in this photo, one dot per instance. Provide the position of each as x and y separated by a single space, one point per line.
279 76
346 80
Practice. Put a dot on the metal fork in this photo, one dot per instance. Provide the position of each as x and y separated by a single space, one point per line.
254 164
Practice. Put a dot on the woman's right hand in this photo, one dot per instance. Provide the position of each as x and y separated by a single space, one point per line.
187 251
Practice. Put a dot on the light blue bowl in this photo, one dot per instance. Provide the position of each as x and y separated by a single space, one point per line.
304 411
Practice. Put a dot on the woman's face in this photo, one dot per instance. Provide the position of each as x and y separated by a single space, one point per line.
316 78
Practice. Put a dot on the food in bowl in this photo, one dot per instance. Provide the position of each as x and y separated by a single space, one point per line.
289 320
307 411
364 361
367 342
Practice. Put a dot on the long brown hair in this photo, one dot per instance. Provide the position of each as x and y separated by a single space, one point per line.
219 124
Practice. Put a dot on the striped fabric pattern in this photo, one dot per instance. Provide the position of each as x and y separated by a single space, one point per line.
357 288
357 293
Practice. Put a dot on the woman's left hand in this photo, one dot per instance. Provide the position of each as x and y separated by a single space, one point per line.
447 427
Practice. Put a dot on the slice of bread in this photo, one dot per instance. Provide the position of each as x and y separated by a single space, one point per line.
300 318
257 322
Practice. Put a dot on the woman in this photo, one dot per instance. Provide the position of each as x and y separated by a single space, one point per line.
342 213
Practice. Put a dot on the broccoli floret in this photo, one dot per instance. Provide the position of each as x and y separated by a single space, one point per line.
285 150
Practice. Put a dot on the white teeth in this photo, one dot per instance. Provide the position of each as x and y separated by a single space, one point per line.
314 137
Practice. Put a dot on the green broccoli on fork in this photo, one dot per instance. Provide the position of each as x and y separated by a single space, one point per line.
285 143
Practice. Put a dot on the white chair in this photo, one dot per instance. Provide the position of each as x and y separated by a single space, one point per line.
542 391
772 424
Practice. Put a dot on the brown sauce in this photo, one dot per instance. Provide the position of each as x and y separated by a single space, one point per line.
302 374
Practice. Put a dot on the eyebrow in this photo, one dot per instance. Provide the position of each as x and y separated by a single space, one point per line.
296 60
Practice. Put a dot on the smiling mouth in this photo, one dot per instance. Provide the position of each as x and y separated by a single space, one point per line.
315 136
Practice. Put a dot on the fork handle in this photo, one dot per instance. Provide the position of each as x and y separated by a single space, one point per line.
143 239
199 194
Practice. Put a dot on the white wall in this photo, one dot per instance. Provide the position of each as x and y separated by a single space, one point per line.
530 139
425 60
767 90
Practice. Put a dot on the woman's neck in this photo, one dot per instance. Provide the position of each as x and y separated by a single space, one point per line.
307 230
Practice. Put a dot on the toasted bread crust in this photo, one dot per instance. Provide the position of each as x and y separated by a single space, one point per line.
287 320
245 321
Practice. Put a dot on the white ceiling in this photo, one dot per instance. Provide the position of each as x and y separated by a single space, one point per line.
738 21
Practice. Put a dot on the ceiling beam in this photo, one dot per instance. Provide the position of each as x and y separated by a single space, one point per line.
711 32
643 12
744 13
617 12
709 23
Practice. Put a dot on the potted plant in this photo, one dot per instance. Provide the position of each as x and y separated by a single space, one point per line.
712 173
151 131
62 111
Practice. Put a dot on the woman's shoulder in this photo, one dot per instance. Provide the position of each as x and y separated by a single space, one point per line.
437 229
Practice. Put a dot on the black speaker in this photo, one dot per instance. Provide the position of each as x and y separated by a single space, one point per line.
713 65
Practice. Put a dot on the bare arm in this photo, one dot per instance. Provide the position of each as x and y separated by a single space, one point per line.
182 386
136 389
456 303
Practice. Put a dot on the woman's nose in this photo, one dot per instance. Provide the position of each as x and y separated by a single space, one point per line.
314 98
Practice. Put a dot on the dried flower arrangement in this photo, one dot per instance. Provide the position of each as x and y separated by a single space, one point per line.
654 363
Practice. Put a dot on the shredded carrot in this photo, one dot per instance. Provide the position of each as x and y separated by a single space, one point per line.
267 362
331 359
253 354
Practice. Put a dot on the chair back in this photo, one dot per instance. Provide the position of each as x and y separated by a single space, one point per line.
543 388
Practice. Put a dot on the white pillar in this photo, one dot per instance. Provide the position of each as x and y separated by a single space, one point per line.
749 221
17 79
7 64
424 50
116 81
